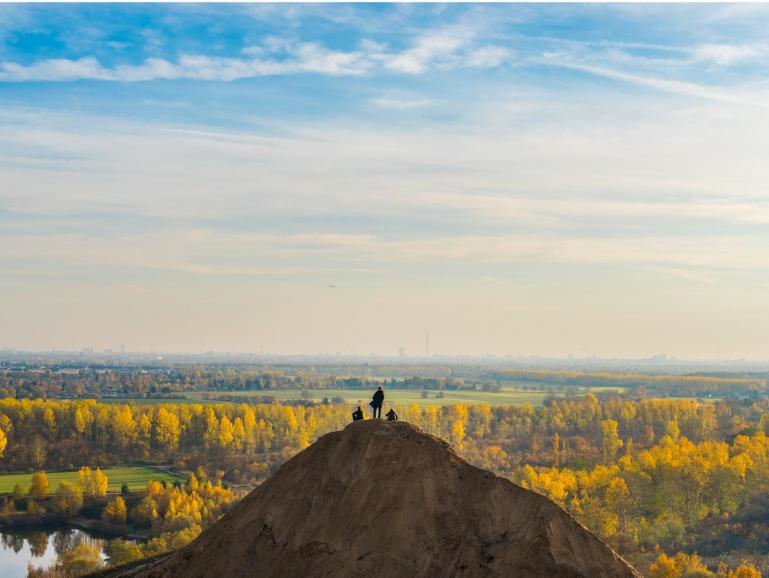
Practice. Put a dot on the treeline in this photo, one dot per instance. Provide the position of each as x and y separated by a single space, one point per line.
662 384
137 382
690 566
677 494
681 474
170 515
67 383
245 440
52 382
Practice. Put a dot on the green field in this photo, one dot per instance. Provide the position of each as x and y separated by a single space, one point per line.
508 396
135 476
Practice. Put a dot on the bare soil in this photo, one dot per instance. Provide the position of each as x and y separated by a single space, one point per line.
384 499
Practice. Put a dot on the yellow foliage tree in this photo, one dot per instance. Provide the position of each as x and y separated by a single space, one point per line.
458 433
101 483
38 489
167 429
122 552
50 421
68 499
93 483
145 512
677 566
611 441
744 570
115 511
225 432
80 560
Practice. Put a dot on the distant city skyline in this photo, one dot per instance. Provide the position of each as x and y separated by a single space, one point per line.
520 179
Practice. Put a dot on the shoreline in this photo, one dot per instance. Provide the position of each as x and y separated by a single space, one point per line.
99 528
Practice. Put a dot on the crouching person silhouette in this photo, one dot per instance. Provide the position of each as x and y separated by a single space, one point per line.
391 415
357 414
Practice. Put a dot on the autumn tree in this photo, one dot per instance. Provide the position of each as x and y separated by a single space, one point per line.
81 560
7 509
38 451
115 511
610 440
744 570
121 552
93 482
145 512
167 429
678 566
19 493
38 488
68 499
49 418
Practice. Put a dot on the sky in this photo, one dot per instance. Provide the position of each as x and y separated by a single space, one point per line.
514 179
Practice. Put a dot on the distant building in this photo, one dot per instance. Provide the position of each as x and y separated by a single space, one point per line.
401 352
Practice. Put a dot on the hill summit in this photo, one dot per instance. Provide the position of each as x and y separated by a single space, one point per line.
387 500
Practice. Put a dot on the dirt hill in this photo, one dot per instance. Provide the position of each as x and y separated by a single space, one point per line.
384 499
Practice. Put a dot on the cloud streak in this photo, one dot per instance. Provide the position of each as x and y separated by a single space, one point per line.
393 103
670 86
441 149
452 195
445 49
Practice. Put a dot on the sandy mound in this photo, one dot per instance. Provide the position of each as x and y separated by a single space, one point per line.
384 499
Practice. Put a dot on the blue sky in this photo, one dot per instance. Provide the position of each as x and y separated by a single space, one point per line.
519 179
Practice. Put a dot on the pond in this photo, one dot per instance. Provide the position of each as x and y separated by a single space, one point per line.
40 547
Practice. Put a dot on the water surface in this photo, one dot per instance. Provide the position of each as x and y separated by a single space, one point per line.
39 547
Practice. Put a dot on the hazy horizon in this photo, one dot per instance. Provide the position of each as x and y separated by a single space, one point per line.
586 180
90 354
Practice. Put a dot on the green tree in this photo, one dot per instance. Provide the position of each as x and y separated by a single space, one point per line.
122 552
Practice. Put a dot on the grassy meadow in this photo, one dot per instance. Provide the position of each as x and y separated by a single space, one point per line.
135 476
507 396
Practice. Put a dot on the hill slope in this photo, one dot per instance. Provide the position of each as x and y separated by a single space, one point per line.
384 499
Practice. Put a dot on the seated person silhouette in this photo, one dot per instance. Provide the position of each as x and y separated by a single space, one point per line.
391 415
357 414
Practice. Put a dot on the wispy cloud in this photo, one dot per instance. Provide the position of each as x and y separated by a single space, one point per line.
200 252
678 87
305 58
509 143
393 103
444 49
434 46
450 195
729 54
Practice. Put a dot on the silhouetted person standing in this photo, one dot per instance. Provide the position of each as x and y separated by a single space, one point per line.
377 401
357 414
391 415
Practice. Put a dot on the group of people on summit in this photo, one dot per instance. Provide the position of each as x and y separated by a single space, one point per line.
376 406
